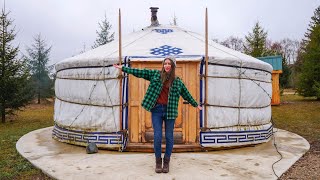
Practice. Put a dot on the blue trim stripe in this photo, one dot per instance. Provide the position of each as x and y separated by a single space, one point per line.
123 97
228 137
83 131
127 97
76 137
201 93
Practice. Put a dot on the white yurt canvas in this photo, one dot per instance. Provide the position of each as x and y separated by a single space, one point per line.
94 103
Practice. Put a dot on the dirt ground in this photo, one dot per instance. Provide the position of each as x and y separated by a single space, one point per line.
307 167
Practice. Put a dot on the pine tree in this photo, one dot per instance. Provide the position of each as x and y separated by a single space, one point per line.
15 86
38 58
309 78
104 34
256 42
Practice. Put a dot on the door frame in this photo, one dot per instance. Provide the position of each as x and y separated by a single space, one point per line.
190 128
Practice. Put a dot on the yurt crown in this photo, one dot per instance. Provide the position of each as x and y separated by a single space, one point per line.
154 19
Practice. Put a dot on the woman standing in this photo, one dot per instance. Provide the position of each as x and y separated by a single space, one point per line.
162 99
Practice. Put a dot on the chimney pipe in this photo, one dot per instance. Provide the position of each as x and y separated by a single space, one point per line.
154 18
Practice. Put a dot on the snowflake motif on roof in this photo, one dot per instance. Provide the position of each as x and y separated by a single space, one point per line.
163 31
166 50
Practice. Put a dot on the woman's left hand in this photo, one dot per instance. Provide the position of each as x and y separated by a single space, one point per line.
199 107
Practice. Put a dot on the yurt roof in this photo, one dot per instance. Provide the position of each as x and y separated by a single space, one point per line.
155 42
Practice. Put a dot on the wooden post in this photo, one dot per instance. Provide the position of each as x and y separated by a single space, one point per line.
120 71
206 73
120 52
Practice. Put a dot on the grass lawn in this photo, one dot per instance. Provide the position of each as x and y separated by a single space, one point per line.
299 115
296 114
12 165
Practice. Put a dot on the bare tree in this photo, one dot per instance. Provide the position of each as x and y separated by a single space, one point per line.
174 20
216 40
290 49
235 43
286 47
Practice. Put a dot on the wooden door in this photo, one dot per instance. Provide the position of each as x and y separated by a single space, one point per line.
186 125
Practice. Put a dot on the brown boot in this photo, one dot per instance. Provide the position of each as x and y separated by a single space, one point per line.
166 161
158 165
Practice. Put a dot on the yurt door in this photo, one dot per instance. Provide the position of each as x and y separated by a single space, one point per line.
140 123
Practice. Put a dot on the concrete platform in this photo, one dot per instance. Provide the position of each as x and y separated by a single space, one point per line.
64 161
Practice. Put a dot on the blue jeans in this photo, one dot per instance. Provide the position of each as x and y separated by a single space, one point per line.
159 114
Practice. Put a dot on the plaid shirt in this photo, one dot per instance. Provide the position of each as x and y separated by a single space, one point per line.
176 90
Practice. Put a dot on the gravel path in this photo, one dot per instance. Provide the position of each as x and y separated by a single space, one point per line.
307 167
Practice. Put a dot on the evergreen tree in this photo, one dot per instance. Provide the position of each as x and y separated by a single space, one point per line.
309 78
15 86
104 34
38 58
284 79
256 42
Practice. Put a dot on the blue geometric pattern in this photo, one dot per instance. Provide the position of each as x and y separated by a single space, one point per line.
163 31
166 50
79 137
238 137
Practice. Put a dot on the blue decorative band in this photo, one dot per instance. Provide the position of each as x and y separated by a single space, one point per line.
176 56
232 138
163 31
166 50
82 138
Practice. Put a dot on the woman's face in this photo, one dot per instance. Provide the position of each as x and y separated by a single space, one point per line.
167 65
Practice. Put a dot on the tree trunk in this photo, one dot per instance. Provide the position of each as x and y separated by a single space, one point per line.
3 115
38 90
39 97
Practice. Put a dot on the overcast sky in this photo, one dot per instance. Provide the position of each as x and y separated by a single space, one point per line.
68 25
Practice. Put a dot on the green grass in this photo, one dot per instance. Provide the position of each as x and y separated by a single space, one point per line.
12 164
299 115
296 114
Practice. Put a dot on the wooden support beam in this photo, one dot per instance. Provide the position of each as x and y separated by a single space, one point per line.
206 72
120 72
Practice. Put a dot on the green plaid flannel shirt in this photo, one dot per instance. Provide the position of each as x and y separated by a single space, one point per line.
176 90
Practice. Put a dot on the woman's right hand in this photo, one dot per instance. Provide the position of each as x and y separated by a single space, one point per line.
118 66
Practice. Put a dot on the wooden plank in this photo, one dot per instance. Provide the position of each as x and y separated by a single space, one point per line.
148 147
177 137
134 108
276 71
184 108
193 86
134 125
275 100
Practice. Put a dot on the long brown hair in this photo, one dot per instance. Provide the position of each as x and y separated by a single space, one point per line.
168 78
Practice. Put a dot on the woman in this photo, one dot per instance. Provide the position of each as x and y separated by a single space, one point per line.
162 99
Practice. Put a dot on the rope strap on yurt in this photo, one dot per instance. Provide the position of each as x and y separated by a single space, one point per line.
240 91
122 134
239 68
114 118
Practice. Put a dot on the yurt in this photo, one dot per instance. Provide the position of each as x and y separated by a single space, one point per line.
96 103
